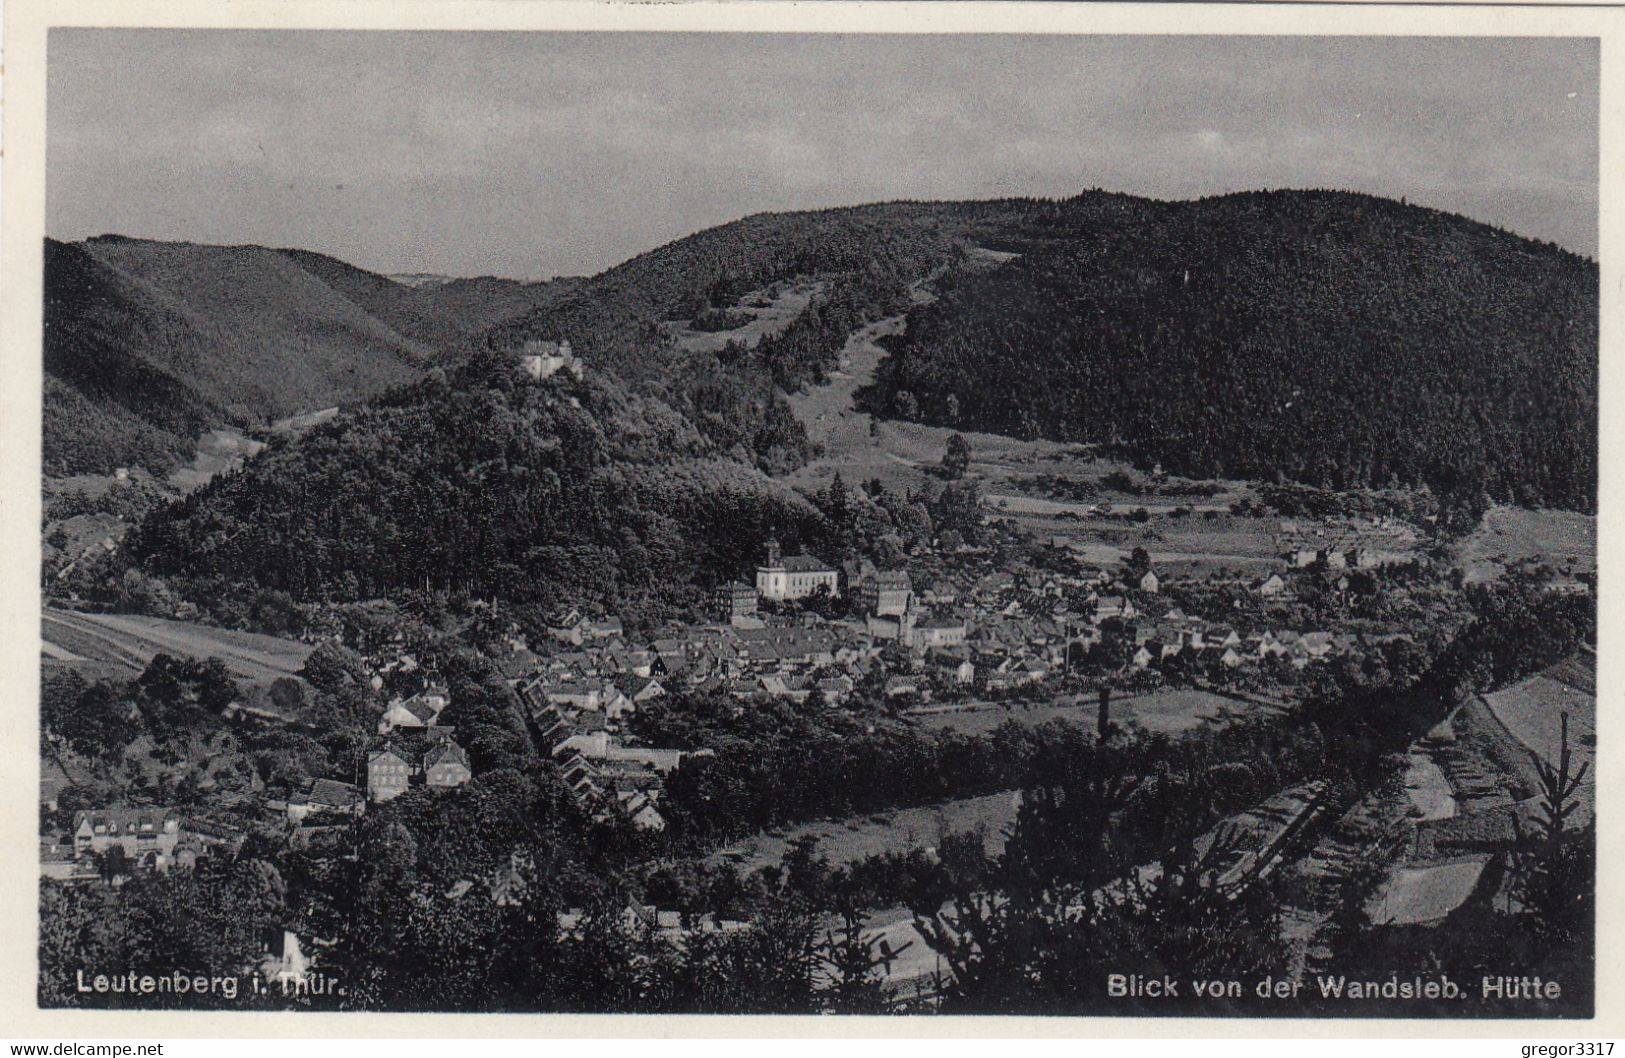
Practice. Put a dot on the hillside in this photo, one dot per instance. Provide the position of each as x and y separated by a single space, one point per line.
1337 339
107 403
864 260
485 483
149 343
1330 338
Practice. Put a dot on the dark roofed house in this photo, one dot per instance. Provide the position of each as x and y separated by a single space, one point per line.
445 765
888 594
736 599
147 836
325 796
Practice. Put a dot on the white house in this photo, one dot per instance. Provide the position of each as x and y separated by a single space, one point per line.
546 359
796 577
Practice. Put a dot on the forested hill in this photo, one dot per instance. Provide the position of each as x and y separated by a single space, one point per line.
148 343
865 258
478 482
1332 338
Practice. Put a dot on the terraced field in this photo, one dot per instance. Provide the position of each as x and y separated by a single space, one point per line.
105 643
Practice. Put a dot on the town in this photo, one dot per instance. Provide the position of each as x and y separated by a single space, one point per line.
656 559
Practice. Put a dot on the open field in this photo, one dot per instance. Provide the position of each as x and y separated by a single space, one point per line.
1511 534
1532 711
1016 503
1168 712
773 310
1428 789
858 446
1208 540
1414 895
217 451
844 841
128 642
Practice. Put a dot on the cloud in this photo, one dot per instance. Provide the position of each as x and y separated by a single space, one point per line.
537 153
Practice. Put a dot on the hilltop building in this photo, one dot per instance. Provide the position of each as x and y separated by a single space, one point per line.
546 359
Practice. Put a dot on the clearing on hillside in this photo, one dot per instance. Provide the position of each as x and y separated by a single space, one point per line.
847 840
128 642
1165 712
1509 535
769 311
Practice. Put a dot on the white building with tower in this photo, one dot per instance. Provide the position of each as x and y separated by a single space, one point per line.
783 579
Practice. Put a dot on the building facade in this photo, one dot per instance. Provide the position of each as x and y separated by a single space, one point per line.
388 774
147 836
888 594
797 577
736 599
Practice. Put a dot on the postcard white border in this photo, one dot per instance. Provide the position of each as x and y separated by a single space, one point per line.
22 186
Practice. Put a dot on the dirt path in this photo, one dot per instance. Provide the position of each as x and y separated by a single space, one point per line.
859 446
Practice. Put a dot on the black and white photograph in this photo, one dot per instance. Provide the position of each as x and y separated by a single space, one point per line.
543 521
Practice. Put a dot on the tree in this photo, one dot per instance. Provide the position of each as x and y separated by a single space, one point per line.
854 963
907 407
289 696
956 460
113 863
1554 863
99 723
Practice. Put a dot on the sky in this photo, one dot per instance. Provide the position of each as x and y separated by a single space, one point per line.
540 154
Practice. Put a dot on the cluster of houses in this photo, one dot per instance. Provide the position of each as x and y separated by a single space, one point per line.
415 750
601 770
1346 542
433 760
1175 633
979 629
149 838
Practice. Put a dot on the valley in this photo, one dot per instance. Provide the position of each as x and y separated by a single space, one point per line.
723 612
